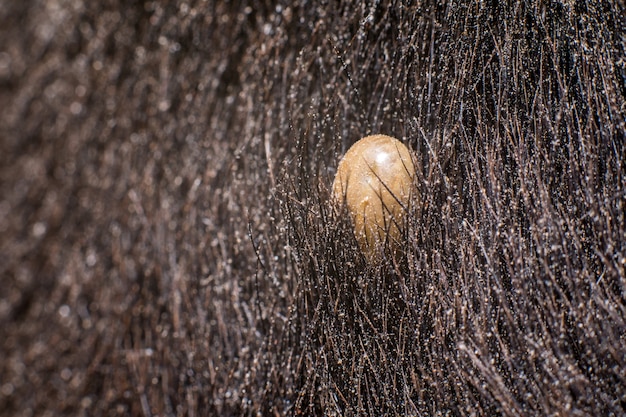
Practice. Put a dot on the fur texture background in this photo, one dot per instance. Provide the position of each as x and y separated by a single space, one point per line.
167 246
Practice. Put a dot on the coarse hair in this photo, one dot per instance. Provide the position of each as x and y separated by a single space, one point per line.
169 245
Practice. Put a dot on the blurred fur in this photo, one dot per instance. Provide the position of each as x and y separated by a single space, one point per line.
167 245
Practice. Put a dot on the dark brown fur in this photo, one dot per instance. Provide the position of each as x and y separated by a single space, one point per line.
167 245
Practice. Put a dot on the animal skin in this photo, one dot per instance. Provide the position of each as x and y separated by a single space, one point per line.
169 243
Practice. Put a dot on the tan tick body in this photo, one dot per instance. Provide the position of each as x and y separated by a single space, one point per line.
375 177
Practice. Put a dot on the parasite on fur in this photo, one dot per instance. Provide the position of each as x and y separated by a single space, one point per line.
374 180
